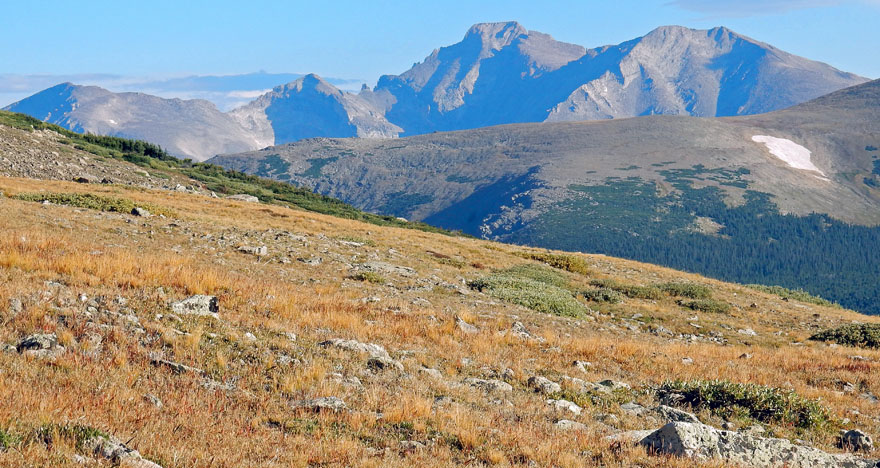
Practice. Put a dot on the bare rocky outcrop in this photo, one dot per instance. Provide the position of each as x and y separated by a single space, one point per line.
703 442
116 452
543 385
371 349
41 346
324 404
243 197
489 385
198 305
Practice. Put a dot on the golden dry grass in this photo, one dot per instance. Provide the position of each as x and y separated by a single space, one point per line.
151 262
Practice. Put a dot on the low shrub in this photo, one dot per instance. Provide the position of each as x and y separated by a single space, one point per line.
533 287
444 259
369 277
707 305
357 240
7 440
568 263
865 335
602 295
537 273
727 399
76 433
688 290
796 294
629 290
91 201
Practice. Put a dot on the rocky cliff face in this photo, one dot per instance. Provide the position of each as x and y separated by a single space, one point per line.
503 73
311 107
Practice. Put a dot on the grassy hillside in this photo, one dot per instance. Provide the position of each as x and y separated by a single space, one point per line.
234 389
211 177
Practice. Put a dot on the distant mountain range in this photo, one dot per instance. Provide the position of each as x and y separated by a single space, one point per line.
499 73
711 195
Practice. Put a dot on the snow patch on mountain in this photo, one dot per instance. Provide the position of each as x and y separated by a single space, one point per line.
788 151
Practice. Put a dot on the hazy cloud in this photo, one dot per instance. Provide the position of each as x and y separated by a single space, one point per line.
741 8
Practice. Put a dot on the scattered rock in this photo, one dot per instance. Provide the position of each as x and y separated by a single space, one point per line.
15 306
633 408
260 251
318 405
582 365
410 446
250 337
687 361
565 405
386 268
702 442
153 400
198 305
352 381
37 342
41 346
747 332
433 373
383 363
175 367
856 441
116 452
674 414
614 385
543 385
137 211
607 418
464 326
244 197
568 425
213 385
754 429
372 349
520 330
490 385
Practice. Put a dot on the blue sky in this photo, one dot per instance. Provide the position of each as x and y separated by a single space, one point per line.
361 40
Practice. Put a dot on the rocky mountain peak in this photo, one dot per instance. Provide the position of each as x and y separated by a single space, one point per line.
495 36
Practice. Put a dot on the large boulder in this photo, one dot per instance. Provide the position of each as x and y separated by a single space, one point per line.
856 440
117 452
543 385
37 342
669 413
41 346
199 305
490 385
323 404
702 442
243 197
386 268
372 349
